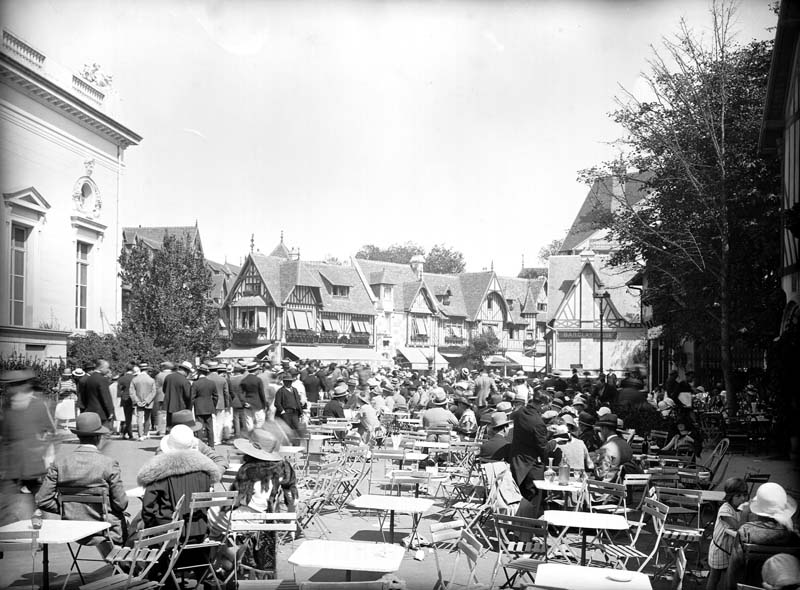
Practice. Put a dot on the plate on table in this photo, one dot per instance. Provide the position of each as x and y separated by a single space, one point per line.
620 576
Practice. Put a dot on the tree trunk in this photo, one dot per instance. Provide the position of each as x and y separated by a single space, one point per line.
726 360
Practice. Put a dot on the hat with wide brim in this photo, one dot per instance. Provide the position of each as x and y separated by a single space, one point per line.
17 376
520 376
186 366
186 418
261 445
180 438
439 398
772 501
340 391
364 396
499 419
89 423
609 421
460 399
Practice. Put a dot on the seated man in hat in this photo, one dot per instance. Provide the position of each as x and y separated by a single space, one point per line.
467 423
334 408
438 420
615 451
497 447
86 470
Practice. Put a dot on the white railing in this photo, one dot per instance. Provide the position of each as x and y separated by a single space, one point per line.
83 87
18 47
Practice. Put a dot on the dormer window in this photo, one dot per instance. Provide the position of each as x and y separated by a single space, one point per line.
340 291
541 306
510 303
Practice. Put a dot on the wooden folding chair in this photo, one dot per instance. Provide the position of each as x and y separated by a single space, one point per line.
201 549
521 547
755 555
96 497
467 547
656 513
680 569
683 525
753 479
244 524
19 541
146 553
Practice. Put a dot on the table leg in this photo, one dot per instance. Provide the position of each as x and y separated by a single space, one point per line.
583 546
391 526
45 568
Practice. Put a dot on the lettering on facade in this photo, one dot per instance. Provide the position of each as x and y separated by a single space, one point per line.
577 334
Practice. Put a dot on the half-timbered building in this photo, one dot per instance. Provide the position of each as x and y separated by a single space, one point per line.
282 307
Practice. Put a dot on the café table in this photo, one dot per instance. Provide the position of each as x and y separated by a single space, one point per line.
400 476
578 577
349 556
575 486
57 532
584 520
391 504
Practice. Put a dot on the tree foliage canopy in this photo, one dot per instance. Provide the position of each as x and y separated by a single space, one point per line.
169 302
707 232
481 347
548 250
441 258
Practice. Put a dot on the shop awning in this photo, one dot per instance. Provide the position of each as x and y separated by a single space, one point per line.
247 354
498 360
525 362
419 358
330 354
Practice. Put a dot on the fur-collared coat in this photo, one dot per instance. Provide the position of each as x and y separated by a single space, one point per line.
167 477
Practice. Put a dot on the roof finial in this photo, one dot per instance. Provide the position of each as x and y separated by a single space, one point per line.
523 260
492 266
281 236
252 242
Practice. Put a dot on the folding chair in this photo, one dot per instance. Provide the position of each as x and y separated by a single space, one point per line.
521 546
313 500
654 511
753 479
684 507
201 549
95 497
244 524
476 512
19 541
140 559
659 437
607 497
468 547
445 535
755 555
632 481
680 569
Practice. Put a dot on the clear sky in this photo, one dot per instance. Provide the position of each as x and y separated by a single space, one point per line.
347 123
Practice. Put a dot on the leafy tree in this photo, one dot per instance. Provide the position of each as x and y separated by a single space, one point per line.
444 260
169 303
400 253
707 233
441 259
119 348
547 251
481 347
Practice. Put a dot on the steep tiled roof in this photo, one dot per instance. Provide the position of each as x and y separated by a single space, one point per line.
224 268
154 236
281 276
473 289
535 287
565 270
604 196
518 291
439 284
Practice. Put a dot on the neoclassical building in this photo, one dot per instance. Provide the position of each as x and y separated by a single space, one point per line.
61 172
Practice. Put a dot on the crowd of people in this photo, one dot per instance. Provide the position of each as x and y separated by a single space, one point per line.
533 424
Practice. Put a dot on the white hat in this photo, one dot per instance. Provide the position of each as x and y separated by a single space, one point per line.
603 411
262 445
771 501
180 438
780 571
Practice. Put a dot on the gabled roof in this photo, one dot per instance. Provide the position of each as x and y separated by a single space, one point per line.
566 270
439 284
605 195
474 286
154 236
535 288
520 291
280 276
225 268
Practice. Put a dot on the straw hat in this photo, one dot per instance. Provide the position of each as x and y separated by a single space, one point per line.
180 438
499 419
186 366
88 423
261 445
504 407
340 390
17 376
439 397
78 372
604 411
520 376
608 420
771 501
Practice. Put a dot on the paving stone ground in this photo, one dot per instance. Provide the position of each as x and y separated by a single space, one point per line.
349 525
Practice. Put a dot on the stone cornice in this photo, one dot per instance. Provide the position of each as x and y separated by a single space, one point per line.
41 89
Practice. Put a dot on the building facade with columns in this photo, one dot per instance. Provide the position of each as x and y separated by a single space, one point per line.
61 177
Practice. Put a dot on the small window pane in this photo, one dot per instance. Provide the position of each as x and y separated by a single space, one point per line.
18 240
82 296
18 288
19 262
17 312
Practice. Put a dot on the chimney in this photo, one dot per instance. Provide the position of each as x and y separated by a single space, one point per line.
418 265
294 254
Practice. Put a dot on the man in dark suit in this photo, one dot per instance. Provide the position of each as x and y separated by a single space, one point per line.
96 396
204 402
527 452
288 405
498 446
177 391
253 397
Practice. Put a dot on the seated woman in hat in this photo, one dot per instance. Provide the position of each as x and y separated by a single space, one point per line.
179 471
263 482
438 420
768 520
